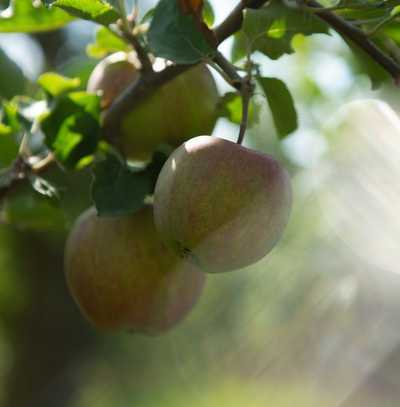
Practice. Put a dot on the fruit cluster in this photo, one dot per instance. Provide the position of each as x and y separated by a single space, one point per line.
217 207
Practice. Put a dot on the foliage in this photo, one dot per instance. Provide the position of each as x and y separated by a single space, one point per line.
68 124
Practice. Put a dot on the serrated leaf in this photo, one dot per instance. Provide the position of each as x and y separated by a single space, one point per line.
23 16
55 84
176 36
106 42
120 190
281 105
271 29
98 11
72 128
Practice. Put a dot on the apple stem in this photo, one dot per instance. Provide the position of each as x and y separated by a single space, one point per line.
242 84
246 91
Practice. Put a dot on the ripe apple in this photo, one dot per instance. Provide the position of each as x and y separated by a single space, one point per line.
183 108
122 276
221 205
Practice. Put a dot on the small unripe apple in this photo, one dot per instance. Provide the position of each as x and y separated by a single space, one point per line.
182 108
221 205
112 76
123 277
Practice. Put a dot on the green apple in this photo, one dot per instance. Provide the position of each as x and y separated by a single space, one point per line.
123 277
184 107
112 76
221 205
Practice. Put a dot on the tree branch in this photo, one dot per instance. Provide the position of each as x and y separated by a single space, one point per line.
360 38
150 81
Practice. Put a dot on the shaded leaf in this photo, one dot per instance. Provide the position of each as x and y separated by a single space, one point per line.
119 189
72 128
177 36
281 105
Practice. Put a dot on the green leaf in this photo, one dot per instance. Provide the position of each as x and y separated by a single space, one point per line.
231 108
118 189
23 16
208 13
281 105
364 64
55 84
25 208
98 11
12 80
106 42
72 128
8 146
176 36
271 29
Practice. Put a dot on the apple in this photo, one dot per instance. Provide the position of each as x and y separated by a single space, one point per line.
221 205
112 76
184 107
123 277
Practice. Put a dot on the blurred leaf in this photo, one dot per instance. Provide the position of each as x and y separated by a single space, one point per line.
231 108
23 16
28 209
270 30
55 84
12 80
364 64
10 116
10 126
148 16
281 104
176 36
106 42
208 13
98 11
8 146
119 189
72 128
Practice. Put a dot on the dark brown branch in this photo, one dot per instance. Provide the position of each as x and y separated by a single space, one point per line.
234 20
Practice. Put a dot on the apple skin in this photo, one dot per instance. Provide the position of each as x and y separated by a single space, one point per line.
112 76
123 277
184 107
220 204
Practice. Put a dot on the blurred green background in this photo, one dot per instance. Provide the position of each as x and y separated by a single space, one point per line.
313 324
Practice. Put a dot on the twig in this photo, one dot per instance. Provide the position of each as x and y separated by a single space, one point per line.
246 91
126 33
243 84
